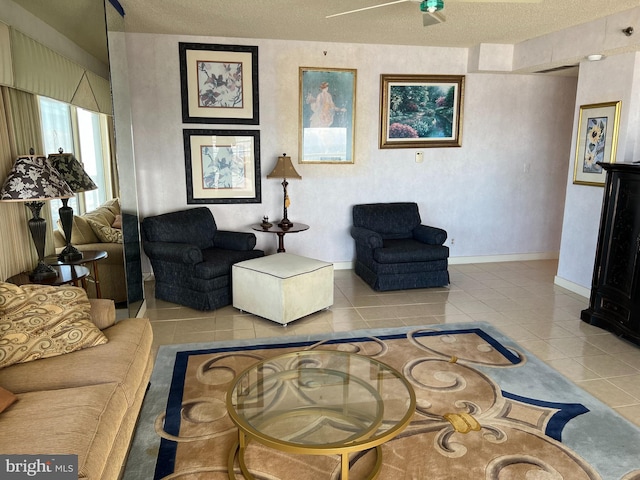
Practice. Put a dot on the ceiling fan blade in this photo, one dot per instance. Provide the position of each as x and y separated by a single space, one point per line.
367 8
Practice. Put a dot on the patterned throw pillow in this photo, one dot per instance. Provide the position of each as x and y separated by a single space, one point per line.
105 233
40 321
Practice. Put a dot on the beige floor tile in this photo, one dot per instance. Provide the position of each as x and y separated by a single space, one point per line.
542 349
628 383
606 365
572 370
194 337
517 333
222 335
631 413
575 346
388 323
612 344
607 392
547 331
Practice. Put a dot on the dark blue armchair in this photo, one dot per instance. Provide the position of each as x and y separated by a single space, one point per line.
192 259
394 251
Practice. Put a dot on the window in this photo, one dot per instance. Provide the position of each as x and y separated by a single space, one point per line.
85 134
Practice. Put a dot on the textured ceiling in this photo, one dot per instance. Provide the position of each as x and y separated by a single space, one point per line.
468 22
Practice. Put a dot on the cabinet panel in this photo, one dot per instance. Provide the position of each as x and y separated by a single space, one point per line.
615 291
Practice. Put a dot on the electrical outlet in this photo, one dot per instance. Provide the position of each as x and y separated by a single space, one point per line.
453 241
419 157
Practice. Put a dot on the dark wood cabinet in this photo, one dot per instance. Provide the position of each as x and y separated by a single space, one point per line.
615 290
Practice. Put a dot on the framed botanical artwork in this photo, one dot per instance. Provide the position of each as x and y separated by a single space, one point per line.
597 141
421 111
219 83
222 166
327 115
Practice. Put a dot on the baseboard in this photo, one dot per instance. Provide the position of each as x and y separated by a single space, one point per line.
516 257
573 287
143 310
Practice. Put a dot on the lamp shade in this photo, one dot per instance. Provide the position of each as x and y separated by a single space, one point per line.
32 179
284 169
71 170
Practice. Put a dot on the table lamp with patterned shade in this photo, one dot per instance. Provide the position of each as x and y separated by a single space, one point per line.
72 172
284 169
32 181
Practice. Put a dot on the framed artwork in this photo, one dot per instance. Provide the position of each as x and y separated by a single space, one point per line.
421 111
222 166
219 83
327 115
597 141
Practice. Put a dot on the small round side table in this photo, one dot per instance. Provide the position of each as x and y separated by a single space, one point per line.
66 274
90 256
281 232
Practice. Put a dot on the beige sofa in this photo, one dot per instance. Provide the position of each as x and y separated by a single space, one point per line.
85 402
94 231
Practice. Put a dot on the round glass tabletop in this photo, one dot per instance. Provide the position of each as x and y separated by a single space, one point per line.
321 402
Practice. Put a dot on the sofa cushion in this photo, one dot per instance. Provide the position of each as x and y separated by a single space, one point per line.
122 360
40 321
81 231
408 251
105 233
83 421
6 399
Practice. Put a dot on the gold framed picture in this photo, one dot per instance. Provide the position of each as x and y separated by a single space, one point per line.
597 141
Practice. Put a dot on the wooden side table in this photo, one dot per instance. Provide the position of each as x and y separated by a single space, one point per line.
66 274
90 256
281 232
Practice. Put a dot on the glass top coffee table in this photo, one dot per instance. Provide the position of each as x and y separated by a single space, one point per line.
319 403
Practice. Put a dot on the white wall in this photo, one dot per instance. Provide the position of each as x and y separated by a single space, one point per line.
501 193
612 79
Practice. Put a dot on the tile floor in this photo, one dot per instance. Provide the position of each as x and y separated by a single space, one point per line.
519 298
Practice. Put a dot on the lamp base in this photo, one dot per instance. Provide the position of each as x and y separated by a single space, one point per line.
42 272
70 254
285 223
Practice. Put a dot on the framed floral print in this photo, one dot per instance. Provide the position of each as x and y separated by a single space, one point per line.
421 111
219 83
327 115
597 142
222 166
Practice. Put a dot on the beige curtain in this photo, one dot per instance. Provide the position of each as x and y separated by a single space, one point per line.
17 253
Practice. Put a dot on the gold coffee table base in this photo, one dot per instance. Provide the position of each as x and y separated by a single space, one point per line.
237 450
280 401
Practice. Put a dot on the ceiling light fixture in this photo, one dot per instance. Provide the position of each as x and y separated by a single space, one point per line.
431 6
595 57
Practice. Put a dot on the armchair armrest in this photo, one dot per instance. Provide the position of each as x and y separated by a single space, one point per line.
174 252
103 312
430 235
234 240
368 237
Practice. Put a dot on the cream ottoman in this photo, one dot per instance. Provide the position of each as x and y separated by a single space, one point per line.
282 287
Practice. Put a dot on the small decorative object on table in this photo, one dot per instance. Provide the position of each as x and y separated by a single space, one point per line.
265 223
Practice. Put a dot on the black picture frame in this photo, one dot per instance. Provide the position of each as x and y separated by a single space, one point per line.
222 166
219 83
